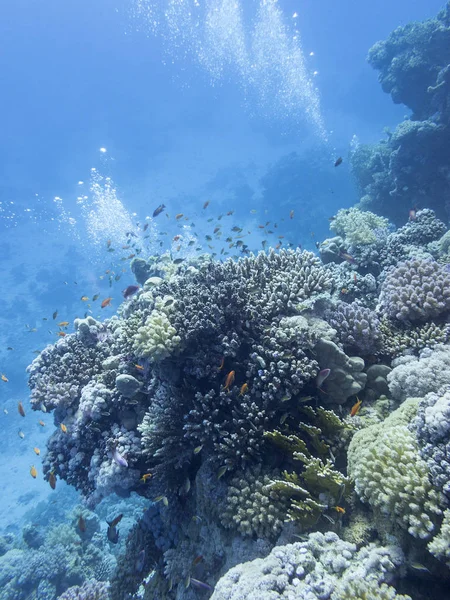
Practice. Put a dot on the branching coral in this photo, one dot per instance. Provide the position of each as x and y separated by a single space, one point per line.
357 227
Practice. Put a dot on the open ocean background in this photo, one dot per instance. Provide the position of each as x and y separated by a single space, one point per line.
110 108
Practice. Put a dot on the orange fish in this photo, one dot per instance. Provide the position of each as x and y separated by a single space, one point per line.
52 480
33 472
131 256
63 428
291 214
178 216
355 408
37 451
222 362
4 378
176 238
106 302
340 510
244 389
41 423
229 380
61 334
63 324
21 409
145 477
139 367
84 298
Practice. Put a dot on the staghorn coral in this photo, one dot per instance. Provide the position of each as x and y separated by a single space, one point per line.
390 475
397 339
357 227
252 507
313 569
415 290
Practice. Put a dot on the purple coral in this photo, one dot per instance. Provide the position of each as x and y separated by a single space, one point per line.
358 327
90 590
415 290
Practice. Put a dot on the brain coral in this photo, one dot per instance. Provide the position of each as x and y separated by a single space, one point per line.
415 290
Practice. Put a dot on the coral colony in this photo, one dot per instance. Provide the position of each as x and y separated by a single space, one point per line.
285 417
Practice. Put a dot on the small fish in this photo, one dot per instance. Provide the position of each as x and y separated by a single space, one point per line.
340 510
21 409
10 348
305 399
130 290
63 428
355 408
5 411
108 243
145 477
169 302
198 449
81 524
291 214
139 367
283 418
244 389
419 567
221 472
61 334
41 423
63 324
208 238
179 216
106 302
412 214
33 472
184 489
21 434
84 298
176 238
222 362
55 314
191 243
4 378
111 249
178 261
206 204
237 229
37 451
158 210
117 277
164 499
201 585
197 560
95 297
52 480
145 227
338 161
119 459
323 374
187 582
253 211
229 380
348 257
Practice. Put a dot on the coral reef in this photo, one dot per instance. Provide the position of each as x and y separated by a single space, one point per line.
90 590
321 567
357 227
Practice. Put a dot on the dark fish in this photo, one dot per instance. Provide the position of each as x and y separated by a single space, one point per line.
81 524
145 227
113 533
55 314
338 161
130 290
117 277
178 261
158 210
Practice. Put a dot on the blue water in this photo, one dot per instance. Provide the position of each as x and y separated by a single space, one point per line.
109 109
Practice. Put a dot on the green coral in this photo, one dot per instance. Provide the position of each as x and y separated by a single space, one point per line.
440 544
395 340
390 475
358 226
252 507
157 339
